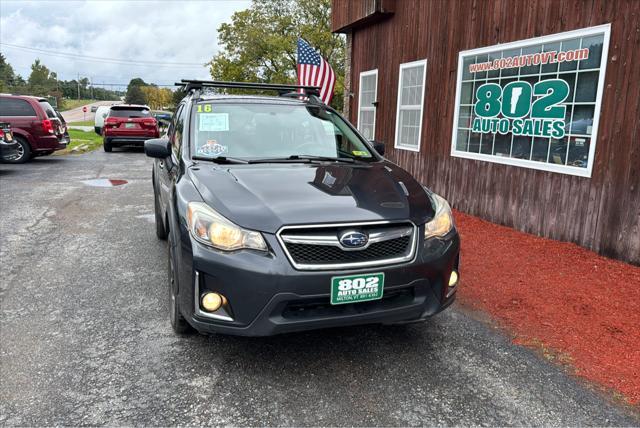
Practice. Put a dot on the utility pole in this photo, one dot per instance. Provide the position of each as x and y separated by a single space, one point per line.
78 85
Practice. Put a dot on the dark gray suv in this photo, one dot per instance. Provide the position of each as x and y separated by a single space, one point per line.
281 217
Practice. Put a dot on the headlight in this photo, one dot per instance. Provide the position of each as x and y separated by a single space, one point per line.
210 228
442 221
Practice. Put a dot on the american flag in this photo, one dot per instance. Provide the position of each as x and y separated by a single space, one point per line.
313 70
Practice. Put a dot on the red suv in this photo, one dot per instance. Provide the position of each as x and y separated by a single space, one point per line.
128 124
35 125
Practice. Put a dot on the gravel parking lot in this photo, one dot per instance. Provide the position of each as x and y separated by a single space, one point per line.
85 339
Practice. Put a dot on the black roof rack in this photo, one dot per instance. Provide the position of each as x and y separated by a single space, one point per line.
308 91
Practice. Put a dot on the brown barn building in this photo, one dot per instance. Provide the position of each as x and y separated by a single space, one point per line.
523 112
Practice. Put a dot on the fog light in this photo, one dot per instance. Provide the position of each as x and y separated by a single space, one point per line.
453 279
211 302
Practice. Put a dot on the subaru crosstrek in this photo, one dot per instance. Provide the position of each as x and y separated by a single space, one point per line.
281 217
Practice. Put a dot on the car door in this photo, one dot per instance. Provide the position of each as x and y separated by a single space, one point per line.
168 169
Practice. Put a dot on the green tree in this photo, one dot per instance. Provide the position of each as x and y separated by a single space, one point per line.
135 95
41 81
259 45
178 95
7 75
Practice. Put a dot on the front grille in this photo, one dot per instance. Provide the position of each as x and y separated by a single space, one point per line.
319 254
319 247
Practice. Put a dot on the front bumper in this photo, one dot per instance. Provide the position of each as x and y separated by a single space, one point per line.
268 296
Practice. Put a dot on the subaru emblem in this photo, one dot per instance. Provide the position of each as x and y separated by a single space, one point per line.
353 239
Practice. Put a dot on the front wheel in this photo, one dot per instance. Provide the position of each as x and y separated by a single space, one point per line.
161 230
23 150
178 323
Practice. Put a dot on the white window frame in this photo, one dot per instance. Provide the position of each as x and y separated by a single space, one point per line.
373 107
605 30
422 62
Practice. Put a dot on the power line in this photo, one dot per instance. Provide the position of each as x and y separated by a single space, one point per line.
126 84
99 57
105 60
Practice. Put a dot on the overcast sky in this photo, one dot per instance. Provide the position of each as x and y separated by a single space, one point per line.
149 31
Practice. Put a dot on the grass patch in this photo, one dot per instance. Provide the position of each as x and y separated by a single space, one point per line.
81 142
82 123
71 104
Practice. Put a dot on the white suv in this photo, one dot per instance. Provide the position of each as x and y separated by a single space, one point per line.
101 114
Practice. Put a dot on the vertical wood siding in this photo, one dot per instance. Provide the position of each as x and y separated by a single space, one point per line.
602 212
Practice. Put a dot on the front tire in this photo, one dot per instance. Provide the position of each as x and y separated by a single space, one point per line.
24 151
178 323
161 230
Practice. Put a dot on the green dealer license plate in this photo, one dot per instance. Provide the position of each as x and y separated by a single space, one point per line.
356 288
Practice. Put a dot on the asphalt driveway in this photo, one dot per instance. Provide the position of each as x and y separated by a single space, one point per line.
85 340
77 115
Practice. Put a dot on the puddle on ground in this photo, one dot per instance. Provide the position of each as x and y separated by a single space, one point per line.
104 182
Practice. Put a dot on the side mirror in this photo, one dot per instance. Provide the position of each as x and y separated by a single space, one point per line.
158 148
378 146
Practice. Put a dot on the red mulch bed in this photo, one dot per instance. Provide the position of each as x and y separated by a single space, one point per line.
574 305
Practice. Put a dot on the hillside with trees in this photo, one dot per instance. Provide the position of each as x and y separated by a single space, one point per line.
44 82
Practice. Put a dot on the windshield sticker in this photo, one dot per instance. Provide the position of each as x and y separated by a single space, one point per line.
212 148
207 108
360 153
213 122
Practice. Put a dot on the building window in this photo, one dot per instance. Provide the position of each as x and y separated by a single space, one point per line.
410 104
366 103
533 103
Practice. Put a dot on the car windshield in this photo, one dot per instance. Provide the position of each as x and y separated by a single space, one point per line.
129 112
273 131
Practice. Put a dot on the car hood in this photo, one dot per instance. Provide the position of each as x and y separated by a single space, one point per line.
266 197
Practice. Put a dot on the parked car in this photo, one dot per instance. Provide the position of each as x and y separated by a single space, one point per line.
101 114
128 124
162 115
35 125
94 109
282 217
8 144
163 118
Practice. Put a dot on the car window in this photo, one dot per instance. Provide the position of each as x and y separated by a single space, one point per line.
254 131
176 137
172 124
129 112
48 109
15 107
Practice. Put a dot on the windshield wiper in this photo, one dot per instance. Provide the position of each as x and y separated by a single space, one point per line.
219 159
302 158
